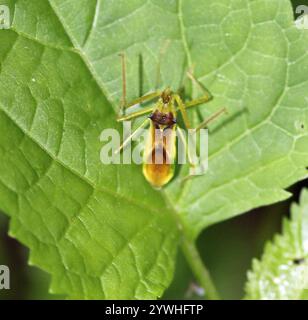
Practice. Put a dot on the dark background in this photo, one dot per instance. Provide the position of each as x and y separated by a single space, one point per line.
227 249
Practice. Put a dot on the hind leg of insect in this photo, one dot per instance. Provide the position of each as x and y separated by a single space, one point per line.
192 166
182 137
124 104
203 125
183 106
206 98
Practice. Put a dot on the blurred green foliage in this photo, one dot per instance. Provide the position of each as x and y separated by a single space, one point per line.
228 249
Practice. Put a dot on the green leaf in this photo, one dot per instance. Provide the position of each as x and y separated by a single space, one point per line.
282 272
99 228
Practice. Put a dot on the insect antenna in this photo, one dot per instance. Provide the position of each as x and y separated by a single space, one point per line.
123 101
140 72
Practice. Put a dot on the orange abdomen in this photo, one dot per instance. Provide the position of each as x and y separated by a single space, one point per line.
157 168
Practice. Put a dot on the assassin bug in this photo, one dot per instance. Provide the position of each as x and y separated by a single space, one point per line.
160 148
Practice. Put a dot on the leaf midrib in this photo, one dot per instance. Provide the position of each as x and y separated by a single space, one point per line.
96 188
79 50
101 86
76 50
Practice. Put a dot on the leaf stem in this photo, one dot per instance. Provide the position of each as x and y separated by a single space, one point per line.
199 269
193 257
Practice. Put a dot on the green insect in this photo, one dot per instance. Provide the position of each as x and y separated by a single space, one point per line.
160 149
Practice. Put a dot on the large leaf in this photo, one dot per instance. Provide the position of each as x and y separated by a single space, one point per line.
282 272
99 228
96 229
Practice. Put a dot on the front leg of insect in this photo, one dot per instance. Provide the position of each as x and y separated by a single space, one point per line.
124 104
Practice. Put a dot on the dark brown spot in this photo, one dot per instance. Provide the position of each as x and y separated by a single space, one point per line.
161 118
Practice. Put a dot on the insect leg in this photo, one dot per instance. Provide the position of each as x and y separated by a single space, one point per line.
124 105
123 63
206 98
127 140
213 117
144 98
204 124
207 95
135 114
191 164
182 108
182 137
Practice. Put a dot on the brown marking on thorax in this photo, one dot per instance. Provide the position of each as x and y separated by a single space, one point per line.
162 119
